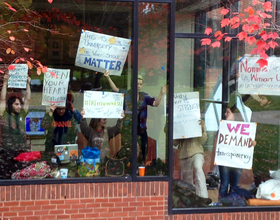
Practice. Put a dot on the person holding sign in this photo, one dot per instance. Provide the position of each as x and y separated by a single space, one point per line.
143 100
60 122
191 155
229 175
97 134
12 128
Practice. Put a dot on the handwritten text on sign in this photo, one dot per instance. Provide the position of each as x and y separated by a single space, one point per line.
102 52
55 86
18 76
103 104
186 115
234 148
256 80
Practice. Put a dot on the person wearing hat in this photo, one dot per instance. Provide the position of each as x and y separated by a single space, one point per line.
143 100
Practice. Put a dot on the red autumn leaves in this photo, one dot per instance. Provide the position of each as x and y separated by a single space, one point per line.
253 23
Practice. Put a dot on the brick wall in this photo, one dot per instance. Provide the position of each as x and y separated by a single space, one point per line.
106 201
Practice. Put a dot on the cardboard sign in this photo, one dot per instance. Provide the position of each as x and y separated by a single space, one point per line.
255 80
18 76
186 115
55 86
102 52
103 104
233 144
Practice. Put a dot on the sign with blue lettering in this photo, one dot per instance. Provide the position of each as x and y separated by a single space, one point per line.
18 76
103 104
186 116
55 86
102 52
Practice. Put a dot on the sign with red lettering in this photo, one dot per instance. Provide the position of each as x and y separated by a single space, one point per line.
234 148
102 52
255 80
55 86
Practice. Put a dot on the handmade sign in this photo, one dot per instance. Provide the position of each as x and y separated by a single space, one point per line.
255 80
103 104
18 76
186 115
233 147
55 86
102 52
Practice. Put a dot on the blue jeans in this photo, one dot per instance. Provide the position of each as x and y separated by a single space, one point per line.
228 175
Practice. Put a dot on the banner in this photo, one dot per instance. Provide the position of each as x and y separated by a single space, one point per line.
55 86
186 116
102 52
18 76
255 80
233 147
103 104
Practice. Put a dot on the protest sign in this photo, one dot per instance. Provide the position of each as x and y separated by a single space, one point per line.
186 115
103 104
233 147
55 86
18 76
255 80
102 52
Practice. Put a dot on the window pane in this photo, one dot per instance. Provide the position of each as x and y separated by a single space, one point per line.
58 132
152 68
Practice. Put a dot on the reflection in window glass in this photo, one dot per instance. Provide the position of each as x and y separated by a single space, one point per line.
38 140
152 80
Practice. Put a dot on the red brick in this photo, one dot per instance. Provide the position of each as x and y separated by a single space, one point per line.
130 199
108 204
136 204
49 217
99 210
41 213
115 209
17 208
56 202
33 217
120 214
144 208
72 211
18 218
129 209
78 206
157 198
42 202
134 213
27 203
50 207
9 214
77 216
85 210
128 218
108 214
122 204
143 199
63 216
57 211
93 205
150 203
92 215
72 201
142 218
1 204
116 199
156 208
87 200
158 217
64 206
102 200
33 207
11 204
148 213
25 213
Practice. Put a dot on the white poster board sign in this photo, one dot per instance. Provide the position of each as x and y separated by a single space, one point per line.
55 86
186 115
18 76
233 147
103 104
102 52
255 80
